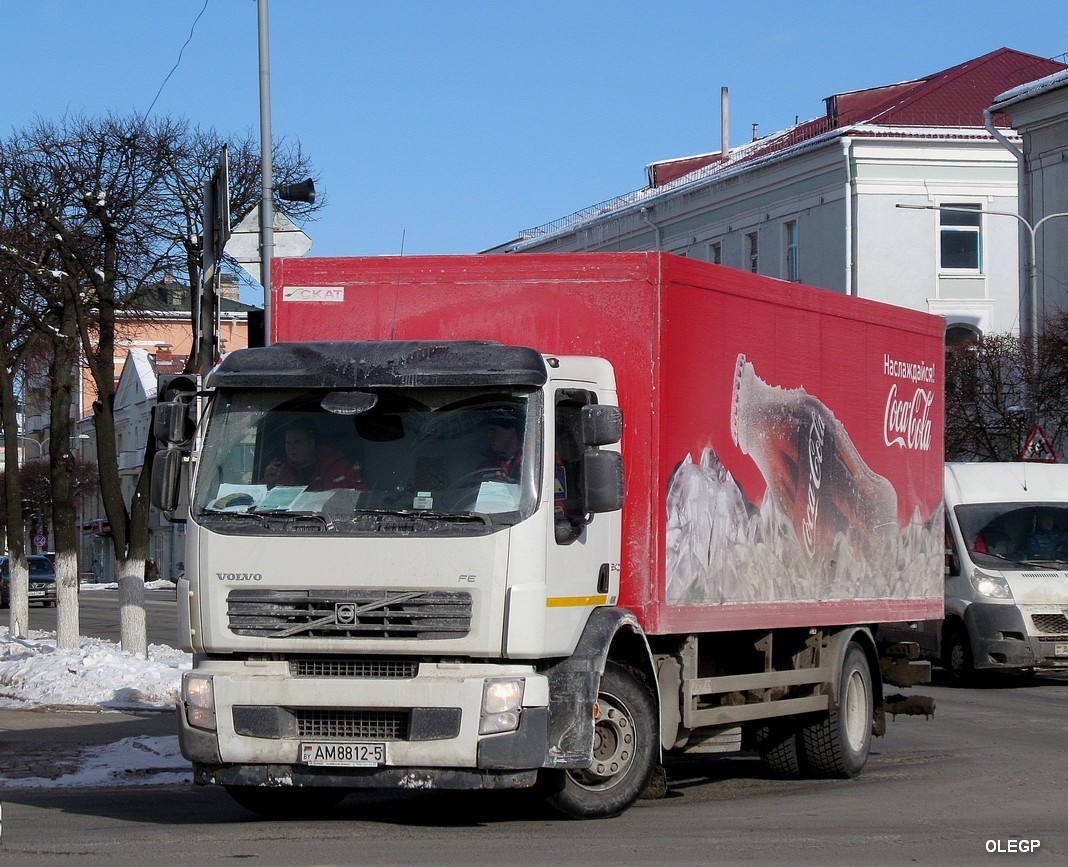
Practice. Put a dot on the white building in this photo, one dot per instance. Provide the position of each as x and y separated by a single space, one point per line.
1039 113
816 203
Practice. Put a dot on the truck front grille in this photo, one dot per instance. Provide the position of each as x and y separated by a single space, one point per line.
418 614
378 725
329 666
1050 624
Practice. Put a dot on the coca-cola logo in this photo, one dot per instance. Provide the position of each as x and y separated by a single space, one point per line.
816 438
907 421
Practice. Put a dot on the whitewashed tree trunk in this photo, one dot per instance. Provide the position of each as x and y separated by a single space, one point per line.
19 596
68 624
132 629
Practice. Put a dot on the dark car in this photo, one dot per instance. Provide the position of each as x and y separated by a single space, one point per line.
42 581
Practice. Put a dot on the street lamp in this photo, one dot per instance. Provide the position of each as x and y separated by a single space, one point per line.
1032 270
40 447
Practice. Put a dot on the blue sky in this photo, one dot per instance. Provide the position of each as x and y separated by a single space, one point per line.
450 126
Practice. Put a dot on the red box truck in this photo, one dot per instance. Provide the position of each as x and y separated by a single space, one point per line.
492 521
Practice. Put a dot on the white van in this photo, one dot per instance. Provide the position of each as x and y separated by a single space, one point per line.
1006 571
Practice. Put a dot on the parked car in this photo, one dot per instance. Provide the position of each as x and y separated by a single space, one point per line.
42 581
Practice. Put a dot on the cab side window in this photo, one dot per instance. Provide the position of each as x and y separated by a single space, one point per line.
567 470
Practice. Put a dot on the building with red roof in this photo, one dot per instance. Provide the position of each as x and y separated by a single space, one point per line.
816 203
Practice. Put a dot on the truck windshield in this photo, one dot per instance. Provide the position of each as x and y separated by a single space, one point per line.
440 461
1015 535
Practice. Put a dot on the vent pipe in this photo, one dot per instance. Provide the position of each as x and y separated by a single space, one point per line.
724 125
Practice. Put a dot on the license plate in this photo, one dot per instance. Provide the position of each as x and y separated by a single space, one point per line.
1060 648
34 594
363 755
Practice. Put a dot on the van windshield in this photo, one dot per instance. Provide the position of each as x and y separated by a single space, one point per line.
1015 535
445 461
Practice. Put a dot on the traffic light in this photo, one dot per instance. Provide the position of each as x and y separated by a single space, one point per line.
172 386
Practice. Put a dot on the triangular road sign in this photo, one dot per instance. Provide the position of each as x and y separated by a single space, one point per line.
1037 449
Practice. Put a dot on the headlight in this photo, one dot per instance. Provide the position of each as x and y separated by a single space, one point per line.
198 693
993 586
502 699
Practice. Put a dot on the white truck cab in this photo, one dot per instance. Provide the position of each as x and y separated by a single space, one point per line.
1006 570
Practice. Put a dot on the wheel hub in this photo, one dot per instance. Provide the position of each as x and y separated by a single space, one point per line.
613 745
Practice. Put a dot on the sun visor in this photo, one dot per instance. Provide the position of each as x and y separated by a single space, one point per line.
380 363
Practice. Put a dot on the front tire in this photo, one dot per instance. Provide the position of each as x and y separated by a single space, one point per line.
624 751
838 742
957 656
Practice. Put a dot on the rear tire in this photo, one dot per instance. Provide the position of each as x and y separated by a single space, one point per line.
838 742
624 751
287 802
777 744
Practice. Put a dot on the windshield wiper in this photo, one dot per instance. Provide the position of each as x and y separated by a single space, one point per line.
1051 563
293 517
256 517
429 513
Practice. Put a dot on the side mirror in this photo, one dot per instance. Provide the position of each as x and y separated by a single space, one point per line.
602 481
601 425
952 563
166 479
171 423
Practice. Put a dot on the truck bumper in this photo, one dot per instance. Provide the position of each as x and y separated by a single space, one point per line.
427 725
1012 637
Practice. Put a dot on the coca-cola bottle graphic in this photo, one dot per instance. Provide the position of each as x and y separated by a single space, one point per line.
813 471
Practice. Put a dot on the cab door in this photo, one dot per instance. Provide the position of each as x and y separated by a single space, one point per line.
583 549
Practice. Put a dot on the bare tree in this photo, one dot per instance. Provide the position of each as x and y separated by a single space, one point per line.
25 331
121 198
996 394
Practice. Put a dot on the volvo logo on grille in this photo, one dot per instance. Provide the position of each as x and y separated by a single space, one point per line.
345 612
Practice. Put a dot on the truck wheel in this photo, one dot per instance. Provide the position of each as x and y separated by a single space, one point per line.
957 656
624 751
277 802
837 744
779 753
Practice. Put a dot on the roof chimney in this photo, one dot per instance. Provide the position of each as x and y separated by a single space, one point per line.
163 352
724 125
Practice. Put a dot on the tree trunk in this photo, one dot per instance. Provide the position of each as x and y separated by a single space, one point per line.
61 472
19 586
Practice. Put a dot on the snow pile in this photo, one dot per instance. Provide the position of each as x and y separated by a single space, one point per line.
155 761
33 672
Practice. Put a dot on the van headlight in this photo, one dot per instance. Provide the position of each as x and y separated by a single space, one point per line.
502 699
198 693
993 586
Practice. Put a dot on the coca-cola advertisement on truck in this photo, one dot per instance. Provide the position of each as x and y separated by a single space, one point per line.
811 488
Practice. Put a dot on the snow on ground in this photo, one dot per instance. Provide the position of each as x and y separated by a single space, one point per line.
35 673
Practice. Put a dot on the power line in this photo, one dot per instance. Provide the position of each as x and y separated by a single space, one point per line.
179 61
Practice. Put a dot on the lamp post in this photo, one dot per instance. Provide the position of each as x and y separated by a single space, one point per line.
1031 273
266 168
40 447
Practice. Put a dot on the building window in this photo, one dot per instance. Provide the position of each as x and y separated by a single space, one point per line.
793 272
960 334
960 236
751 251
715 253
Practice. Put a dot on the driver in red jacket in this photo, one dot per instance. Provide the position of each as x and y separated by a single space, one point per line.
309 463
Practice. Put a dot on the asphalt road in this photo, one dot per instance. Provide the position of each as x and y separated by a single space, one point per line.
983 777
98 615
982 780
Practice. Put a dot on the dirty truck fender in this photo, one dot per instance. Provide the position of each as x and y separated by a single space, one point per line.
610 633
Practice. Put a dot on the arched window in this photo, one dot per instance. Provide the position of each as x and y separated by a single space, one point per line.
961 334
